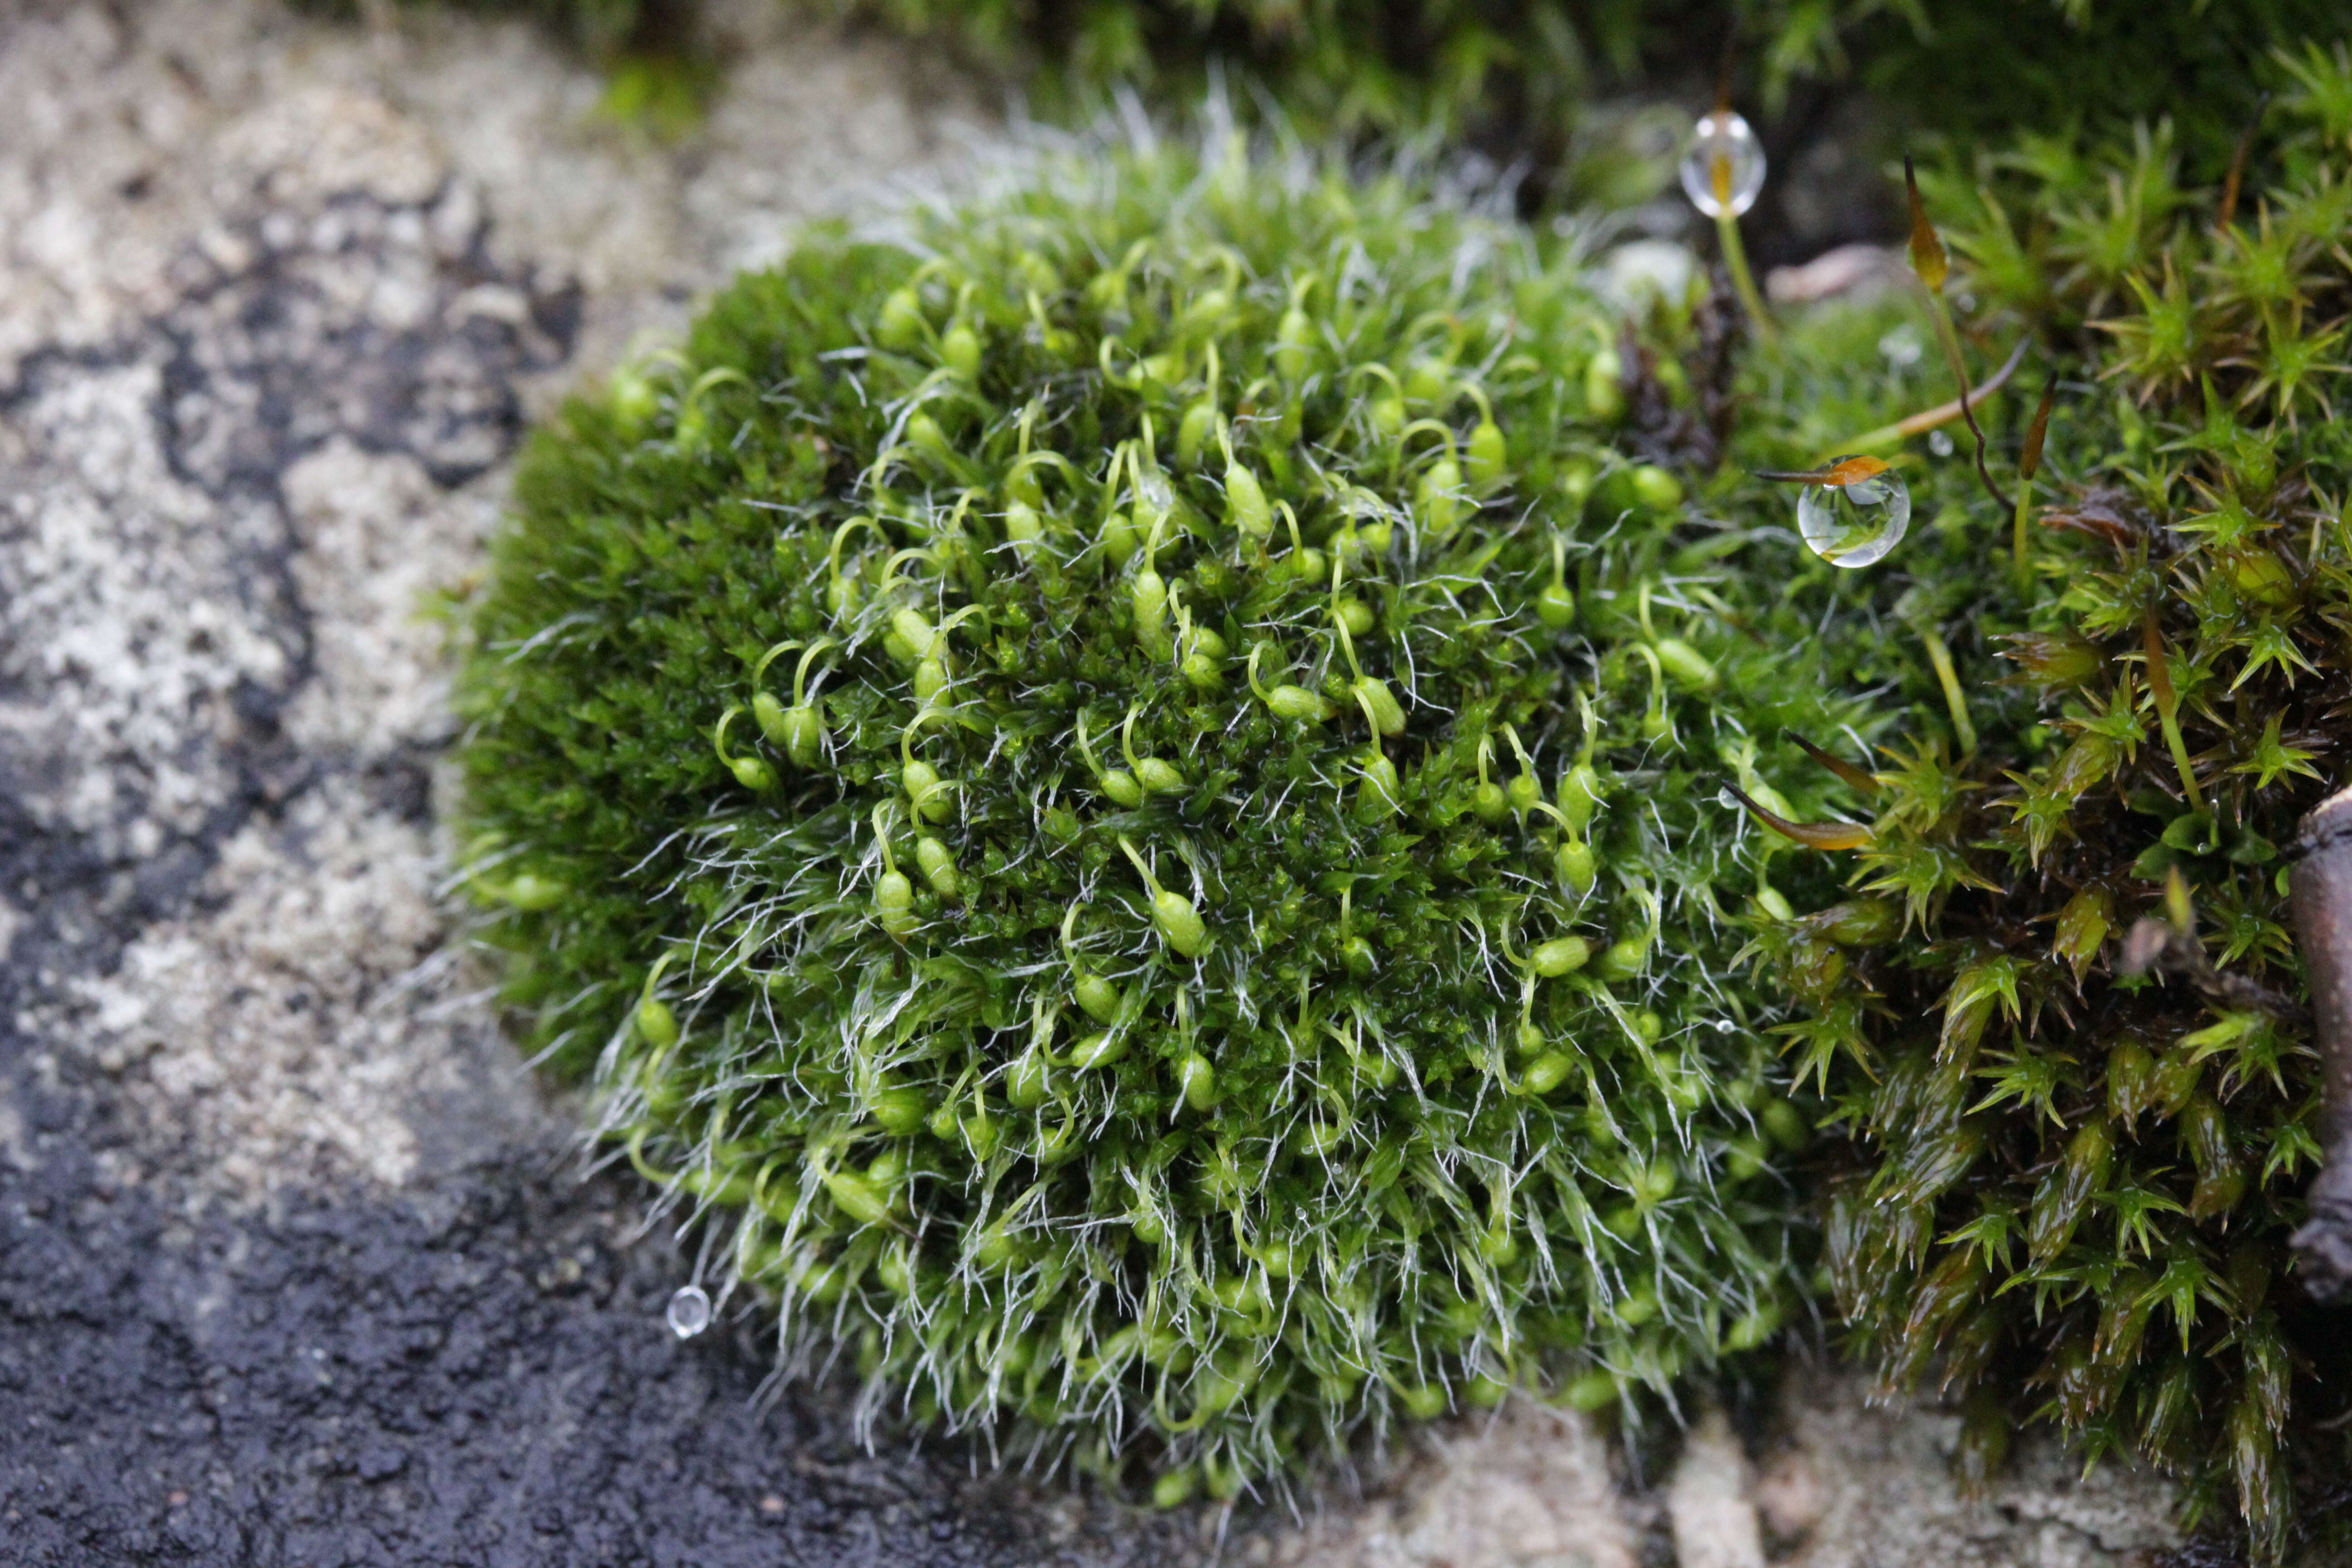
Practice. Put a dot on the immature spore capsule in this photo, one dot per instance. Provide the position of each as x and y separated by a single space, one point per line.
1082 990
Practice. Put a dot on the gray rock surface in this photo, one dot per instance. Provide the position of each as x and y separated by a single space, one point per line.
296 1264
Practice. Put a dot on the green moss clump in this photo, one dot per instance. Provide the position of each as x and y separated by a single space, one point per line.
1127 799
2065 1017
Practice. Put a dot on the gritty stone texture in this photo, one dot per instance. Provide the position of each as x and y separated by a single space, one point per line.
1848 1486
1709 1500
1815 1477
295 1262
1532 1487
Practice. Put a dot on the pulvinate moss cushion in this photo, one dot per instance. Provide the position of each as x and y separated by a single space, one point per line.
1124 797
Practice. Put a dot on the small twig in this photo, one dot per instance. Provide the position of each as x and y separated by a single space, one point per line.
2320 896
2227 213
1943 413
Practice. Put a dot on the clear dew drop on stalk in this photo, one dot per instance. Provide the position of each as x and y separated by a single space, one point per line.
1852 510
1855 522
689 1311
1724 169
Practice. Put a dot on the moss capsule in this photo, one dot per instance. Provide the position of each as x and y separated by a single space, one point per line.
1197 1080
1424 1401
656 1025
939 868
1686 665
932 797
894 904
995 1246
1098 998
1155 775
924 435
981 1135
911 637
1556 606
1548 1072
1655 1182
1656 488
1560 955
768 712
533 893
1294 336
1382 709
1579 796
1292 702
901 1112
1180 925
1574 865
751 772
1193 431
1247 511
959 352
901 325
1381 792
1622 960
1148 597
1026 1085
860 1197
1604 387
1484 454
894 894
1175 1489
1438 497
1100 1049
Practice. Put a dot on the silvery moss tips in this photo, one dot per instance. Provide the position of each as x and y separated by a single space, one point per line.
1096 799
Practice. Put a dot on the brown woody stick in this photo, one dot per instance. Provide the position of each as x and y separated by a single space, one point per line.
2320 893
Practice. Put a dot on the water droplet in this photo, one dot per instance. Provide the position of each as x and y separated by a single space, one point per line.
689 1311
1901 348
1854 524
1940 443
1724 157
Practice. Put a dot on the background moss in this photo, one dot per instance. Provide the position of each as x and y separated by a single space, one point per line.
1520 79
2083 1092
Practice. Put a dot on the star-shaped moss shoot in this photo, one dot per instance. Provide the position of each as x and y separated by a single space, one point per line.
1092 804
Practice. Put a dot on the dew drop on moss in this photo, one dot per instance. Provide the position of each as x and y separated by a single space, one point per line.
1854 524
1724 168
689 1311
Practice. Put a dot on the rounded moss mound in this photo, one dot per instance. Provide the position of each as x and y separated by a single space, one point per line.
1088 787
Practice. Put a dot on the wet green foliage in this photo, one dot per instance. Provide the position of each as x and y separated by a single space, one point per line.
2059 1008
1125 803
